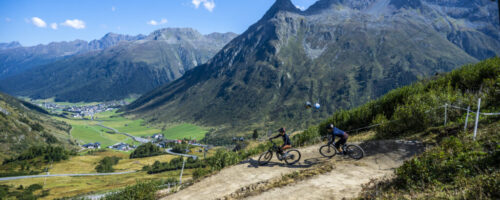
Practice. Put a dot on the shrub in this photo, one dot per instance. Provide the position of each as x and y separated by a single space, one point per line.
200 172
179 148
146 150
174 164
141 190
106 164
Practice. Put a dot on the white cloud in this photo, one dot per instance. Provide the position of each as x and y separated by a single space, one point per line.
38 22
8 19
208 4
196 3
76 23
155 23
113 8
53 26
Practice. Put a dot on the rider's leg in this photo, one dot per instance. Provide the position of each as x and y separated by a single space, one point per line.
283 148
339 143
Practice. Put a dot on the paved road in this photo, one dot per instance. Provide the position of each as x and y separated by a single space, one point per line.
59 175
169 150
138 139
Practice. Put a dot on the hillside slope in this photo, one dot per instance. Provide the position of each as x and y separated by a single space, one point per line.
340 53
116 73
452 165
23 125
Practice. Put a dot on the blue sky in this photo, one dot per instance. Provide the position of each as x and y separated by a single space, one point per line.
41 22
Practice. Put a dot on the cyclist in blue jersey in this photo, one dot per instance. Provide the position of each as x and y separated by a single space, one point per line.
330 128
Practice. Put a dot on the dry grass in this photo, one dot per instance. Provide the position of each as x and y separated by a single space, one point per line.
71 186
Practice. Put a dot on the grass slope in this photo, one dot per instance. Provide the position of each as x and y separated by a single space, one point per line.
71 186
23 125
185 131
457 167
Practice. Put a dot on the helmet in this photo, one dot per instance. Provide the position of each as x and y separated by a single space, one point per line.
329 126
281 130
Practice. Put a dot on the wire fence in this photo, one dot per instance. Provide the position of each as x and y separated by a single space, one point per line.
446 117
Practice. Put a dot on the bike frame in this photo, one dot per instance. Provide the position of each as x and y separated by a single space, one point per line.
332 143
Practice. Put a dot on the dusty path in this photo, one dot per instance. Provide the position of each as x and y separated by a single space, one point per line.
344 181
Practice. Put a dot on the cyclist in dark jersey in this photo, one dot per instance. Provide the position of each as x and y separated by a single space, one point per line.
337 132
286 140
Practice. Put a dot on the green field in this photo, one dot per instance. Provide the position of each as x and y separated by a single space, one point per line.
93 133
185 131
122 124
88 131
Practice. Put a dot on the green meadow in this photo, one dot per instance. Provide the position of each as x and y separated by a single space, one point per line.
88 131
185 131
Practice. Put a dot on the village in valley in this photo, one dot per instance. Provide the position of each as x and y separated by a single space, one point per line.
80 111
95 117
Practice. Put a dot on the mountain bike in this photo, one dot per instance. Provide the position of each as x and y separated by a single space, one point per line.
291 156
351 150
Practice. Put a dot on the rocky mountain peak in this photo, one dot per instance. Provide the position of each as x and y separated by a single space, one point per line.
9 45
175 34
280 6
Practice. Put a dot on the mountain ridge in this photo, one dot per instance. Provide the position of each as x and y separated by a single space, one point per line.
123 70
19 59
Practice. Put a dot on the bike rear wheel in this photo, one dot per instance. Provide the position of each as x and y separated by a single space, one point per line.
354 151
265 157
327 150
292 157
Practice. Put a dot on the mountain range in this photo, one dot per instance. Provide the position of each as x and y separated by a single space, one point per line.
15 59
129 67
339 53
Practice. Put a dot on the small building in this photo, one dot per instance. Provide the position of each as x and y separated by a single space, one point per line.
158 136
122 147
96 145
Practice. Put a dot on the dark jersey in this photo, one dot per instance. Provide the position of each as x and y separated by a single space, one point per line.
286 139
337 132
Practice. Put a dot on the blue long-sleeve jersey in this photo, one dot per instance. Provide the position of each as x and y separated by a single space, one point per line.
337 132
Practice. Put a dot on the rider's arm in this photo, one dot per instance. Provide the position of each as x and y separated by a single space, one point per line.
274 137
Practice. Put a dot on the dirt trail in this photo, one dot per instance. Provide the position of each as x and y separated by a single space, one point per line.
343 181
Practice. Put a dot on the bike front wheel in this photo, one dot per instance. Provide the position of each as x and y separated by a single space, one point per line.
355 151
327 151
265 158
292 157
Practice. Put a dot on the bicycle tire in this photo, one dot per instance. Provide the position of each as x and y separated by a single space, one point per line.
327 151
265 157
355 151
293 156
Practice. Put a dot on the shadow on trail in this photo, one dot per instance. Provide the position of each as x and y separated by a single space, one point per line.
406 149
306 164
